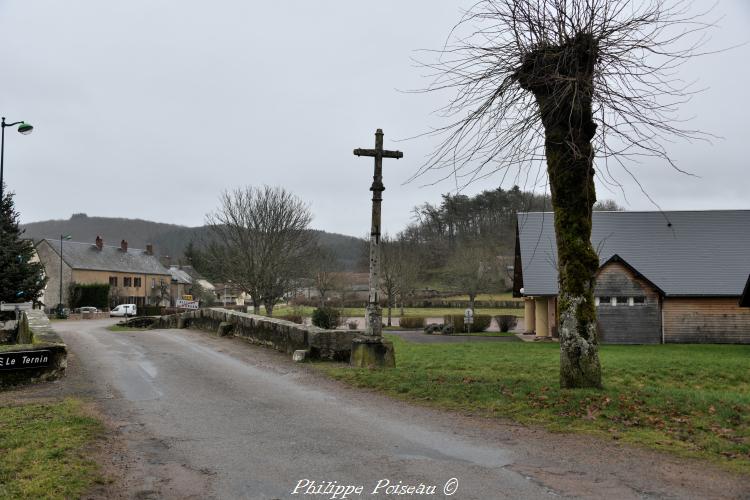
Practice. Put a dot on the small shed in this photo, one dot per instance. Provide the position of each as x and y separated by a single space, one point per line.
663 276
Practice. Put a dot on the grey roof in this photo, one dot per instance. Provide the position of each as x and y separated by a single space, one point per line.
745 299
690 253
109 258
180 276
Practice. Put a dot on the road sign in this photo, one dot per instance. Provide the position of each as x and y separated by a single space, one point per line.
20 306
19 360
187 304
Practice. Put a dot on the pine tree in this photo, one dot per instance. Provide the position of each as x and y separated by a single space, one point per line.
20 279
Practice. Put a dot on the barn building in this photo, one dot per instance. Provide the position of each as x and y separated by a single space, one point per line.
663 276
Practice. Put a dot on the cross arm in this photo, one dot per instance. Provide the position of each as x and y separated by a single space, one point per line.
374 152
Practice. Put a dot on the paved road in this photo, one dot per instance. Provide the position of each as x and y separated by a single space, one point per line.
217 418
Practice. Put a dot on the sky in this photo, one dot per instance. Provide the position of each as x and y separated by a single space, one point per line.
150 109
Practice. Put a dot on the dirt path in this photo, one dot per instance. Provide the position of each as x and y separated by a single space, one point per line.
193 416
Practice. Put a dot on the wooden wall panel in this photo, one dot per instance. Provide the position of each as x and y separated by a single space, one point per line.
706 320
624 324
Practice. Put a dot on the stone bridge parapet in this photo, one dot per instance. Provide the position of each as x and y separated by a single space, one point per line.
278 334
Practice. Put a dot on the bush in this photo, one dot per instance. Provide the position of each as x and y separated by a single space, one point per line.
434 329
506 322
326 317
480 324
410 322
294 318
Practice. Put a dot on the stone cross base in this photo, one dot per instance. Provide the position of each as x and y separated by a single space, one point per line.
372 352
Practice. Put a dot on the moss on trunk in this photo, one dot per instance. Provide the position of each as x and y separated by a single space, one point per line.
561 79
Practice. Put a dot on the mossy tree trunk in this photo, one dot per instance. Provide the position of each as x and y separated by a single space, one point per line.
561 79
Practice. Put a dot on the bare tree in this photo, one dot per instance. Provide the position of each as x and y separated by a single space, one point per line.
389 273
408 270
569 82
261 240
473 270
325 273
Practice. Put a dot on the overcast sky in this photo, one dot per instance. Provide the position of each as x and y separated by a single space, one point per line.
149 109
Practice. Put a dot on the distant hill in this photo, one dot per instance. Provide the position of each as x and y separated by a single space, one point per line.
171 239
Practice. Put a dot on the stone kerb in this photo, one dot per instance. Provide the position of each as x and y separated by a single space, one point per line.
37 341
278 334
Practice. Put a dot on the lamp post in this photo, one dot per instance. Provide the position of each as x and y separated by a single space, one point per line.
60 304
23 128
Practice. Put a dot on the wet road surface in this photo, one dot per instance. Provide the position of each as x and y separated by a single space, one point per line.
218 418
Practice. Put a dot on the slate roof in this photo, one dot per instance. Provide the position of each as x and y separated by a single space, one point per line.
109 258
180 276
690 253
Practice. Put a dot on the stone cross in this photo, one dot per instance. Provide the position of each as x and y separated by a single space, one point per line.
374 325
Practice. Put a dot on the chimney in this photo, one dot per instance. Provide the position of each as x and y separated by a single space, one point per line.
149 249
99 242
124 245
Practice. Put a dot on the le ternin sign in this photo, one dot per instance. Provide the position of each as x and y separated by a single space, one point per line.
19 360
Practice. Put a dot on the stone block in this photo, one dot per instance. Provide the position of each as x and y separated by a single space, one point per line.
299 355
372 352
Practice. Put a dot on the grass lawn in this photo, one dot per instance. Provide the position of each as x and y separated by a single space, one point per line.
118 328
486 296
43 450
692 400
426 312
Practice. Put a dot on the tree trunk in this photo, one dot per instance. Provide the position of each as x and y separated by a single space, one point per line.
561 79
269 309
390 305
256 307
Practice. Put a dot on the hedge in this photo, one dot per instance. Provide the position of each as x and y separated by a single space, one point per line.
480 324
411 322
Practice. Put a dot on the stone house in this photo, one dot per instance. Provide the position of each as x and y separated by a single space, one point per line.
663 276
135 276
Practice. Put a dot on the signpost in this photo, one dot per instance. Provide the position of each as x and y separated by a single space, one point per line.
21 306
187 304
468 319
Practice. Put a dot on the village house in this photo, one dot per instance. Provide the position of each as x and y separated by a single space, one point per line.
181 284
663 276
135 276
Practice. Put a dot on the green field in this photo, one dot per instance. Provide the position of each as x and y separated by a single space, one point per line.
426 312
43 451
691 400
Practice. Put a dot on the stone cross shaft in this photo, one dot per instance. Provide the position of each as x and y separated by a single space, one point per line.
374 320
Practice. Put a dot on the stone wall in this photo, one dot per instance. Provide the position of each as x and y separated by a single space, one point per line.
278 334
35 336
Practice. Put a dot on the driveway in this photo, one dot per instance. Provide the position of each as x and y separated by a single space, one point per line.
203 417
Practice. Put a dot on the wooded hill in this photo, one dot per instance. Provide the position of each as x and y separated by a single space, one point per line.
172 239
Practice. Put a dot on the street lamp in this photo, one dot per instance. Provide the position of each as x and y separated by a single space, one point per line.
60 304
23 128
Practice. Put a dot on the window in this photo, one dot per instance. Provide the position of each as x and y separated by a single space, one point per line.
137 282
602 301
639 300
621 300
113 281
127 282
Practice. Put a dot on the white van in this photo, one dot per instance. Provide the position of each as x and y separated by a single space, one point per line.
123 310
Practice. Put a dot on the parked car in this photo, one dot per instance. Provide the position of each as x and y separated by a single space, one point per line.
87 309
123 310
